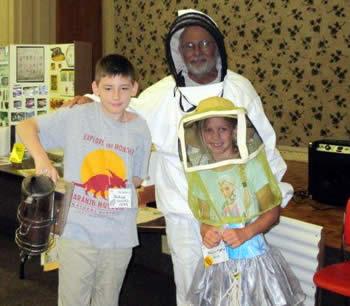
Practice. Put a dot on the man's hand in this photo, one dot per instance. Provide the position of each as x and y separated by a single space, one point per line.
76 101
211 235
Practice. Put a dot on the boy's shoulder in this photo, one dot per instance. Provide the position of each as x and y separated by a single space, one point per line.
80 110
76 109
67 116
131 116
134 116
139 123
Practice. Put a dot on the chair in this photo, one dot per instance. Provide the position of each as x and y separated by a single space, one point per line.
336 277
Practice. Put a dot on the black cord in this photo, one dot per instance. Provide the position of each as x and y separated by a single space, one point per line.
302 195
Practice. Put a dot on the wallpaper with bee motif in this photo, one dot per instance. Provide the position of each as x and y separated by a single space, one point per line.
295 52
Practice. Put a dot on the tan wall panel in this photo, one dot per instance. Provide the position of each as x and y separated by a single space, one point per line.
107 27
6 17
44 21
24 21
27 21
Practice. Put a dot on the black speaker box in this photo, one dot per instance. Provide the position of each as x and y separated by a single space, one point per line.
329 171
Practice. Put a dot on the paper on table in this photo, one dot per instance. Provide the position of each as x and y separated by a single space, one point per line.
26 172
146 214
49 258
4 161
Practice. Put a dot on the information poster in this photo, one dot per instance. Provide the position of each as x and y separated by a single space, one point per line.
30 64
61 74
34 80
4 86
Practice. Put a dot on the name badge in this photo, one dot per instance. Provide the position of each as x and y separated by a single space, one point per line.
215 255
119 198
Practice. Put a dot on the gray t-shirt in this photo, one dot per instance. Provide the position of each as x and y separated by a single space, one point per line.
99 153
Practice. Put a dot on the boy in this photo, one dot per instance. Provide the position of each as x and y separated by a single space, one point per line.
106 151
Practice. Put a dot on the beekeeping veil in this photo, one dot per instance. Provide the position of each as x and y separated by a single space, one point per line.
236 188
185 19
189 93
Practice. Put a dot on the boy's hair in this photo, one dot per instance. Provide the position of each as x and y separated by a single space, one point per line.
114 64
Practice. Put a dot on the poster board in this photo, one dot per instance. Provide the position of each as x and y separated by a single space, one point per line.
37 79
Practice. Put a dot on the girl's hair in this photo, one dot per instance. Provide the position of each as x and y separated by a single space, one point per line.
114 64
201 125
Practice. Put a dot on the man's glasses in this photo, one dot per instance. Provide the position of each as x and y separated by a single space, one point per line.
203 45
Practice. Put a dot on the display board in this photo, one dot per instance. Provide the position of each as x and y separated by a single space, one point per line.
4 88
37 79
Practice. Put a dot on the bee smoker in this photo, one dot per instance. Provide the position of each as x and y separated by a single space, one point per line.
36 214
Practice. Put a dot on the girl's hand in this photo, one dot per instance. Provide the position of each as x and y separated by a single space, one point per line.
234 237
211 235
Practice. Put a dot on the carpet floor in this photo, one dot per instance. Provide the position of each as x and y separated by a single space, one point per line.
142 286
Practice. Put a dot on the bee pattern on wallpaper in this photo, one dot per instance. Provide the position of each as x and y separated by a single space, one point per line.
296 54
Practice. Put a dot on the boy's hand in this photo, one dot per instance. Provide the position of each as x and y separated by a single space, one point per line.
234 237
76 101
46 168
211 235
136 181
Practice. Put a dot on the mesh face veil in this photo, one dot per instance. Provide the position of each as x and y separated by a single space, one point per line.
216 134
174 59
229 178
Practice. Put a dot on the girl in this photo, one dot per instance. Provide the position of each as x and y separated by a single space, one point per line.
235 197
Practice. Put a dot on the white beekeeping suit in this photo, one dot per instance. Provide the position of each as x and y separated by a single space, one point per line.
163 105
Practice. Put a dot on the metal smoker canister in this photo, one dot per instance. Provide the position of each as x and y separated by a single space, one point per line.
36 214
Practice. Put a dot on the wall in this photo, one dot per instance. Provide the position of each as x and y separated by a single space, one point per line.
79 20
296 53
27 21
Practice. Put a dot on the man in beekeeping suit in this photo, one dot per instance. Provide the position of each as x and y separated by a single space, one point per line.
197 59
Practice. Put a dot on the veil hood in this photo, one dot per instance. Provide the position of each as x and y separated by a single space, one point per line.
174 59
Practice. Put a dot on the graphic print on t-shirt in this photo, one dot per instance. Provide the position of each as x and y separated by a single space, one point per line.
100 170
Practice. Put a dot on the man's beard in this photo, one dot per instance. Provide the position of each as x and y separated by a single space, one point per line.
202 69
